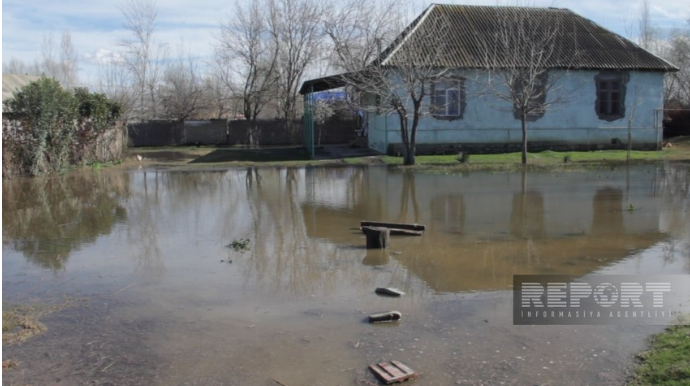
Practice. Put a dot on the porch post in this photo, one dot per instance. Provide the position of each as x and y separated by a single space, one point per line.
308 122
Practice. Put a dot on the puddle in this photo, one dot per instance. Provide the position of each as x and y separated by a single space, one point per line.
171 304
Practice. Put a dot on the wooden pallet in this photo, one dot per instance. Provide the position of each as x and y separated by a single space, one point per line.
392 372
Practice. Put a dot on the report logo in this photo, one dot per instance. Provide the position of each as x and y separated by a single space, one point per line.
598 299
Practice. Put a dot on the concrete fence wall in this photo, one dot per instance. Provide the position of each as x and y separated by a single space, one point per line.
222 132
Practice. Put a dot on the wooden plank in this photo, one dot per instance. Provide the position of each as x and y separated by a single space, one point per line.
392 370
413 227
404 232
384 376
403 367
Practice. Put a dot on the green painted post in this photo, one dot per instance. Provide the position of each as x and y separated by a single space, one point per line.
308 122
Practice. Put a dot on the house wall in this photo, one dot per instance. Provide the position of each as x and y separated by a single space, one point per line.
488 124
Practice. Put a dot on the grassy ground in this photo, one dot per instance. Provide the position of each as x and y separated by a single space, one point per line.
667 362
197 157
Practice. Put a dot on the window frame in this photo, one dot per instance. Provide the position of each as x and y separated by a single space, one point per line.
447 86
610 95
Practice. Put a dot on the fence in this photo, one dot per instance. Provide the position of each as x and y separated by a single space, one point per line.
676 122
222 132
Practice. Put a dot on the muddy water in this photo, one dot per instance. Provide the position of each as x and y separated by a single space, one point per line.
170 304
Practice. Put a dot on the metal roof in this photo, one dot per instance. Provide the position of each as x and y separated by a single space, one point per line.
475 37
14 82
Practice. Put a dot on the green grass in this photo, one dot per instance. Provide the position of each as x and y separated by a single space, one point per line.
543 158
192 157
667 362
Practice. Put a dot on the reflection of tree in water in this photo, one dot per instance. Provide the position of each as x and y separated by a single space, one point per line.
449 211
282 253
607 219
527 216
48 218
147 212
408 194
674 186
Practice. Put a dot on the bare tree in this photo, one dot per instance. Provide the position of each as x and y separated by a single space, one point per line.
16 66
68 66
216 97
399 79
115 81
140 55
646 33
519 58
60 64
322 112
49 64
677 86
296 29
247 45
358 29
181 91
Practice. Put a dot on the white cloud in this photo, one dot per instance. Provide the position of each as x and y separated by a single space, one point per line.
103 56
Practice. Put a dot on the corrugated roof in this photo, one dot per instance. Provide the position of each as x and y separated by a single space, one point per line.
475 37
14 82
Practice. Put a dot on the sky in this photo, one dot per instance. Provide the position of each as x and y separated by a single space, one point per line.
96 25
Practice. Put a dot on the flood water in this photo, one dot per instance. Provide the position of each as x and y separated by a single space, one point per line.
168 303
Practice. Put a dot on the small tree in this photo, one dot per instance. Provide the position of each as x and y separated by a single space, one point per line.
141 56
519 58
247 45
322 112
181 92
677 84
295 26
402 75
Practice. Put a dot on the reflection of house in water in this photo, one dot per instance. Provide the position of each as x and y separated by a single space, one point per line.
483 228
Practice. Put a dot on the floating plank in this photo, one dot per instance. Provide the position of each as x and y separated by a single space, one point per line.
405 232
389 291
395 231
412 227
392 372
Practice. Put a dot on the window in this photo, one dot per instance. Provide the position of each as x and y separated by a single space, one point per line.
610 103
610 97
448 99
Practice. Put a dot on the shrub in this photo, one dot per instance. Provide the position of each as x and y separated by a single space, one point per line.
50 127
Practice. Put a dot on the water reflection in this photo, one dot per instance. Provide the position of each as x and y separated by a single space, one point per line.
303 224
484 228
148 245
47 219
607 210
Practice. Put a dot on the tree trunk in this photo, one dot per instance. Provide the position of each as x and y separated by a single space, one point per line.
410 154
523 122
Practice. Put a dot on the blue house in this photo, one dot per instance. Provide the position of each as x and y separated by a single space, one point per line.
598 89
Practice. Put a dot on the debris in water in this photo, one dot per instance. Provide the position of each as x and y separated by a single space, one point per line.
385 317
389 291
392 372
239 245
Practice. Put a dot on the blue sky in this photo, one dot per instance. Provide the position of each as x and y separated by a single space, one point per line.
96 25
